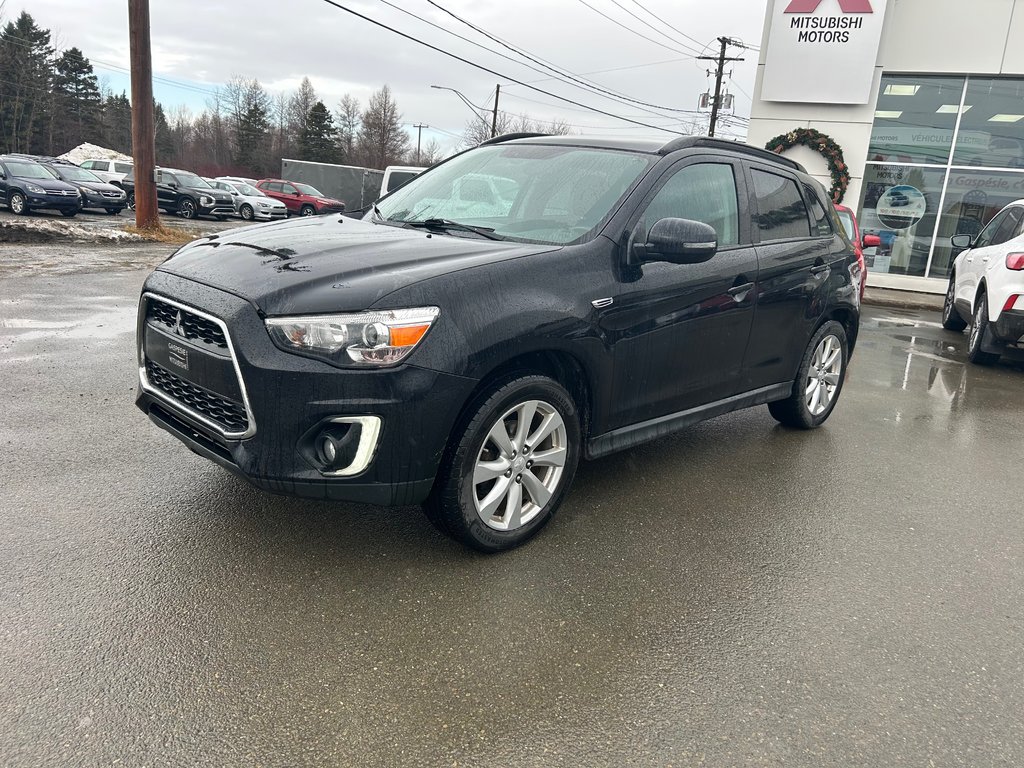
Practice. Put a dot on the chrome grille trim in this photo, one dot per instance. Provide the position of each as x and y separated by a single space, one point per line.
149 388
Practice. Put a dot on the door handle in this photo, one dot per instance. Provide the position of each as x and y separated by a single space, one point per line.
970 259
740 292
985 259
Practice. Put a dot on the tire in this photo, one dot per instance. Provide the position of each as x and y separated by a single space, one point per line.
17 203
187 208
247 213
951 319
307 210
69 214
131 201
820 377
113 211
980 334
221 218
480 514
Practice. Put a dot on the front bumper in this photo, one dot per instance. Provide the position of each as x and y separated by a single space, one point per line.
287 398
269 214
325 209
105 203
217 209
55 202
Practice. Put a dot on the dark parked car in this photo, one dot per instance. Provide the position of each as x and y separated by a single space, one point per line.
184 193
622 290
95 192
300 199
27 186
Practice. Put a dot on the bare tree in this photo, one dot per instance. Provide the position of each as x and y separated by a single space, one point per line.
348 121
382 140
478 131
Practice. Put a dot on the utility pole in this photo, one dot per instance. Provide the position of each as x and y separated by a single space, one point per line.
719 73
419 135
494 118
143 132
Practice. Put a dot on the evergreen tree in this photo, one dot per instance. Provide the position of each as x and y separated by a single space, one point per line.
117 123
78 101
26 79
164 140
317 142
382 140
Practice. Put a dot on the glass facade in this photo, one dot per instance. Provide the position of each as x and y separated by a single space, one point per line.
946 155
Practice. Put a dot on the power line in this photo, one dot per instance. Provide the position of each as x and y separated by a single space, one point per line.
651 26
348 10
674 29
629 29
622 69
688 113
559 71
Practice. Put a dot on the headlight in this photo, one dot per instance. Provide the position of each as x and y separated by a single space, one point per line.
367 339
206 200
87 192
35 189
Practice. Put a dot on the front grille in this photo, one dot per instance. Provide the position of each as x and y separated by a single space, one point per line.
115 195
226 413
193 327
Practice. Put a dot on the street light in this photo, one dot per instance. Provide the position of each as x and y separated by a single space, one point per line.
476 110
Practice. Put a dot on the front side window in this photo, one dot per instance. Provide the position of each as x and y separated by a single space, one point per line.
122 167
988 234
288 189
527 192
306 189
1009 227
781 212
705 192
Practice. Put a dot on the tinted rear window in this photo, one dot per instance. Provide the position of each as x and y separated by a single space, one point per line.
782 214
398 178
122 167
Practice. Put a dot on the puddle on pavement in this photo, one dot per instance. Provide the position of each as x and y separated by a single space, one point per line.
105 322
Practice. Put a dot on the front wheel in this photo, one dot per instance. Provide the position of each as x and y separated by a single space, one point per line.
980 335
187 208
113 211
69 214
307 210
131 201
819 380
17 204
951 319
247 213
508 466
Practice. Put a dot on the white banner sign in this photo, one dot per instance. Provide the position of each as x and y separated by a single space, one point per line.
822 51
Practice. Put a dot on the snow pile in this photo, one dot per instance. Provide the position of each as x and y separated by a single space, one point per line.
43 230
88 151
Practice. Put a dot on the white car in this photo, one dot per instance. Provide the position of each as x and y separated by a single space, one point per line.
397 175
251 203
238 180
986 287
111 171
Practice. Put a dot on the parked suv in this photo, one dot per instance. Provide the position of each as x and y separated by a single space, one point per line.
184 193
26 186
300 199
95 192
627 290
986 287
111 171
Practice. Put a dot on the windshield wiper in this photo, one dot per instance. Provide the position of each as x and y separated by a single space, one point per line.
487 232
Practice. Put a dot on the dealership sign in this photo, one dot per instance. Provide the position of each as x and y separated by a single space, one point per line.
822 51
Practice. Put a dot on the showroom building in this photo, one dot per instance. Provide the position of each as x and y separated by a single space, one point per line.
925 98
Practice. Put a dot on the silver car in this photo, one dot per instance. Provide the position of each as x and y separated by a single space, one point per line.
251 203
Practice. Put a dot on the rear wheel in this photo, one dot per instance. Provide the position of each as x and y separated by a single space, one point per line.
508 466
307 210
17 204
980 335
951 319
819 380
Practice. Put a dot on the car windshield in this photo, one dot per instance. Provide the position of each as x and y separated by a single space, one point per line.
30 170
74 173
191 180
245 189
847 218
528 192
308 190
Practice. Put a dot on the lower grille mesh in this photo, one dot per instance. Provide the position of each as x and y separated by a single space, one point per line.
230 415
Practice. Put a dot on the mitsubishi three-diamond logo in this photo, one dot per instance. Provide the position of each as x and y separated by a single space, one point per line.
848 6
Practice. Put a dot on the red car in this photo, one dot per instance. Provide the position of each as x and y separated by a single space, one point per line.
859 244
300 199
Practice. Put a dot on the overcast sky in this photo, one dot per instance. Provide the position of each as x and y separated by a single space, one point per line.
197 46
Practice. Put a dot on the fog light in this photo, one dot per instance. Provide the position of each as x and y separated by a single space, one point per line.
343 446
329 450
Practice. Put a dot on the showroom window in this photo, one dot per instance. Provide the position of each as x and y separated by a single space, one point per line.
946 155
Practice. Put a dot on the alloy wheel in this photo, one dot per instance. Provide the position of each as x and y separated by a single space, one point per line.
823 375
979 319
520 465
947 307
17 203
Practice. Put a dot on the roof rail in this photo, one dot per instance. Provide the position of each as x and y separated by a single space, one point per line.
688 142
511 137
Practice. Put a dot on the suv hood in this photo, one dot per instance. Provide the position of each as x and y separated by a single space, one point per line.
97 186
323 264
50 185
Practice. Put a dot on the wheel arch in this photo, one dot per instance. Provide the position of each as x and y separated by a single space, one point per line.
849 319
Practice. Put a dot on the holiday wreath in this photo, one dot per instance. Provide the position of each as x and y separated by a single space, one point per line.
826 147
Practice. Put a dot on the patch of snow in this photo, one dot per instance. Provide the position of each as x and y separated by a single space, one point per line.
88 151
65 230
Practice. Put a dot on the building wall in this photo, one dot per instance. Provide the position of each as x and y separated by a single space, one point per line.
981 37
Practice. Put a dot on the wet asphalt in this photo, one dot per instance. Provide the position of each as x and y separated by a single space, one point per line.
737 594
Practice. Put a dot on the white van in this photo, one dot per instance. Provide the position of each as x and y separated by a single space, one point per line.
396 175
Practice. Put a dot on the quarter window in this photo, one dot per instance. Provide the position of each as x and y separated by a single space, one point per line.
781 212
705 192
820 225
122 167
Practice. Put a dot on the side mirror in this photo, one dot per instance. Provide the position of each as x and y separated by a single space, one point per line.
679 241
871 241
962 241
3 175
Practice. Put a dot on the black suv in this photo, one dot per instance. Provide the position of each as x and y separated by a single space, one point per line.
184 193
521 306
96 193
26 186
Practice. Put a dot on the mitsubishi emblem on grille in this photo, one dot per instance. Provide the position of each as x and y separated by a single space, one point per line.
179 329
